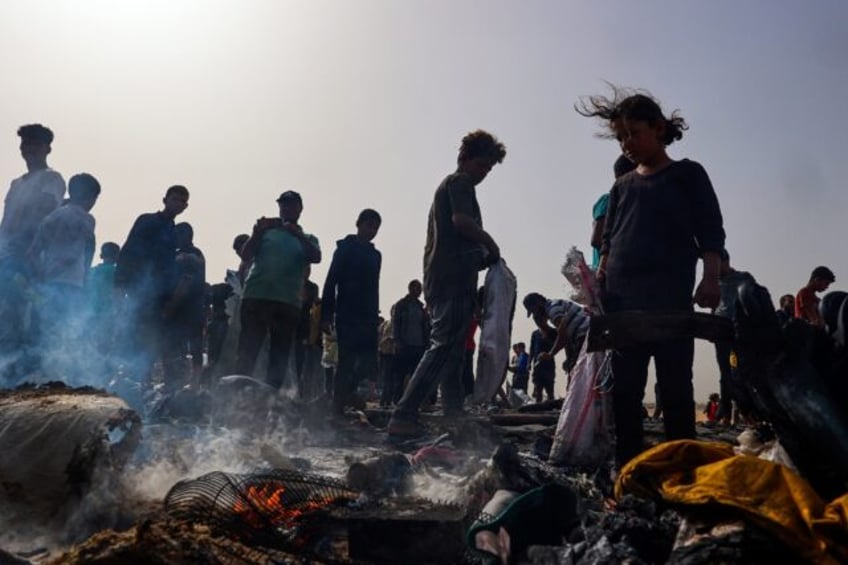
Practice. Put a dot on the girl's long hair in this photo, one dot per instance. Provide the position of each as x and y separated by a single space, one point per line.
630 104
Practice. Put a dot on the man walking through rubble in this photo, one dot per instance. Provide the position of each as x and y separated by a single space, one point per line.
457 248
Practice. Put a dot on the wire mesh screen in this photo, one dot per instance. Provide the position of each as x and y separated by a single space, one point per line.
274 508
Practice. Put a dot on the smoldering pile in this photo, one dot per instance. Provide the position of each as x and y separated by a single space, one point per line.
63 454
512 507
516 509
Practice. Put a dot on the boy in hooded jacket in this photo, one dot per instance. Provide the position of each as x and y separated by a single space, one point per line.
350 303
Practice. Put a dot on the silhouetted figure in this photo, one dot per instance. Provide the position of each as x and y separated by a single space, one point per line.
386 347
186 313
457 248
59 258
411 331
730 281
145 278
471 347
786 311
519 366
100 290
806 301
569 322
543 371
30 198
307 344
225 321
350 303
621 167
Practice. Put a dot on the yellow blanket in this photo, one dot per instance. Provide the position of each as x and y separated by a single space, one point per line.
767 494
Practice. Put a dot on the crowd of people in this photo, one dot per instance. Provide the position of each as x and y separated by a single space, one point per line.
148 304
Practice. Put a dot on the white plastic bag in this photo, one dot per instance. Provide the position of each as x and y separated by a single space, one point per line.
582 435
750 444
495 331
582 280
518 398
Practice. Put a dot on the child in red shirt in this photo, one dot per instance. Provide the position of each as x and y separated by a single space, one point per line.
712 408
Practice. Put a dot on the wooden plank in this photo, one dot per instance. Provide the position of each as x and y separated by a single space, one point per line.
635 327
520 419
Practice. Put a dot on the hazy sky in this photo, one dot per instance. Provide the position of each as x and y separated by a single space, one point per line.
362 103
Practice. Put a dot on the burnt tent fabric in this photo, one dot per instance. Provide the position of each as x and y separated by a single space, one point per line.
278 508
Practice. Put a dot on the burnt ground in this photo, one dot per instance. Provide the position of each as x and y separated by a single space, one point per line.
630 531
379 532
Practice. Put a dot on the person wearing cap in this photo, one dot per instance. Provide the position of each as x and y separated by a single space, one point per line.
31 197
568 318
279 251
350 302
457 248
806 301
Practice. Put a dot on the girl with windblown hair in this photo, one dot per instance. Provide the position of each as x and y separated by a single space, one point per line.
662 217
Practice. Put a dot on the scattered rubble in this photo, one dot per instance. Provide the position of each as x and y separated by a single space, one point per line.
300 487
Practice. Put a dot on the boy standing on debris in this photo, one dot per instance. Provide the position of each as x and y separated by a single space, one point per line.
350 303
31 197
457 248
60 256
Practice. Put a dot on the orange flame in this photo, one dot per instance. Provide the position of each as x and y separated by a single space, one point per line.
264 504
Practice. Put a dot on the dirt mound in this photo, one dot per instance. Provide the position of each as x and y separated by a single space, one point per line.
161 540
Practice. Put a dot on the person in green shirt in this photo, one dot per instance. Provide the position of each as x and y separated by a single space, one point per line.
280 252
